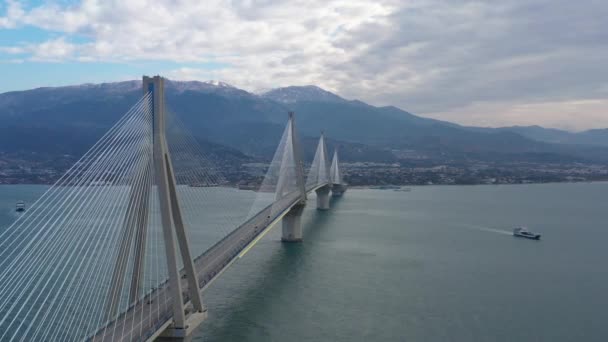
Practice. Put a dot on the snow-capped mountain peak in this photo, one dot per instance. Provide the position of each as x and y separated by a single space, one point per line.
218 84
301 93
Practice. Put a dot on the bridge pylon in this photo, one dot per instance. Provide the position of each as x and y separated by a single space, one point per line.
172 221
323 176
338 187
292 221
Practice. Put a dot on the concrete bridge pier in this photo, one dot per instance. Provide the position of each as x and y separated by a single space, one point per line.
323 197
338 190
183 334
292 224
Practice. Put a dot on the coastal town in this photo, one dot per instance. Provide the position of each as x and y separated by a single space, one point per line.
14 169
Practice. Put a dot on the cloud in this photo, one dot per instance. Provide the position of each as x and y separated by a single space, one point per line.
14 14
572 115
52 50
433 57
446 56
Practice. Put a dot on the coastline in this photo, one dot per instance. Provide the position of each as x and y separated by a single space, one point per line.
377 186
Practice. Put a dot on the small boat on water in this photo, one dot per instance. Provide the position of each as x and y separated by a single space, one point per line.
20 207
385 187
525 233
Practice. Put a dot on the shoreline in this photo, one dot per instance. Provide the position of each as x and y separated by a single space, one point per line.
397 187
373 187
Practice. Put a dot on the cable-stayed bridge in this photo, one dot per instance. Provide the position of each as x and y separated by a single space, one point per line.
105 253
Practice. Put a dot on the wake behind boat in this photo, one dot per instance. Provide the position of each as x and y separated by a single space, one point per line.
525 233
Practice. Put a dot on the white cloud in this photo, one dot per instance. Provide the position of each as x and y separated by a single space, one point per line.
13 50
14 14
53 50
431 57
569 115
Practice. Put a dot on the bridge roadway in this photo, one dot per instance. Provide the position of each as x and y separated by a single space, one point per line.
148 318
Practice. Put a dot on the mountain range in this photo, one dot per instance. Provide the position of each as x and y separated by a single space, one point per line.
228 120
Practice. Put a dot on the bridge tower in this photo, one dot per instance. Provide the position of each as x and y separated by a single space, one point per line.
292 221
338 186
323 192
172 222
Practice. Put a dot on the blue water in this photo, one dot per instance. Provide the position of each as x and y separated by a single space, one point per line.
434 264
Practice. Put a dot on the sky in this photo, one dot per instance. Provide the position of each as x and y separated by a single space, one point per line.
483 63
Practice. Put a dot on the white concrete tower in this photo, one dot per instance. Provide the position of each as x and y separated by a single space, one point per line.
323 176
292 221
172 222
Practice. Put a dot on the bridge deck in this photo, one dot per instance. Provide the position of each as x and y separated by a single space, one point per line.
147 318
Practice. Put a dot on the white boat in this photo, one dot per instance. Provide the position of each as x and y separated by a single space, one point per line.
525 233
20 207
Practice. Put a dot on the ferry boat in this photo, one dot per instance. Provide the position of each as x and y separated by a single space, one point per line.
20 207
385 187
525 233
251 187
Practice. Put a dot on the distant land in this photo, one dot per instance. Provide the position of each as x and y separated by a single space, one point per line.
44 130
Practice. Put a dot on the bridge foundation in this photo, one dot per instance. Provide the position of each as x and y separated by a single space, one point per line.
338 190
323 198
185 333
292 224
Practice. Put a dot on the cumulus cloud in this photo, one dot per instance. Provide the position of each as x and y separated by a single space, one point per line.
466 61
14 15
